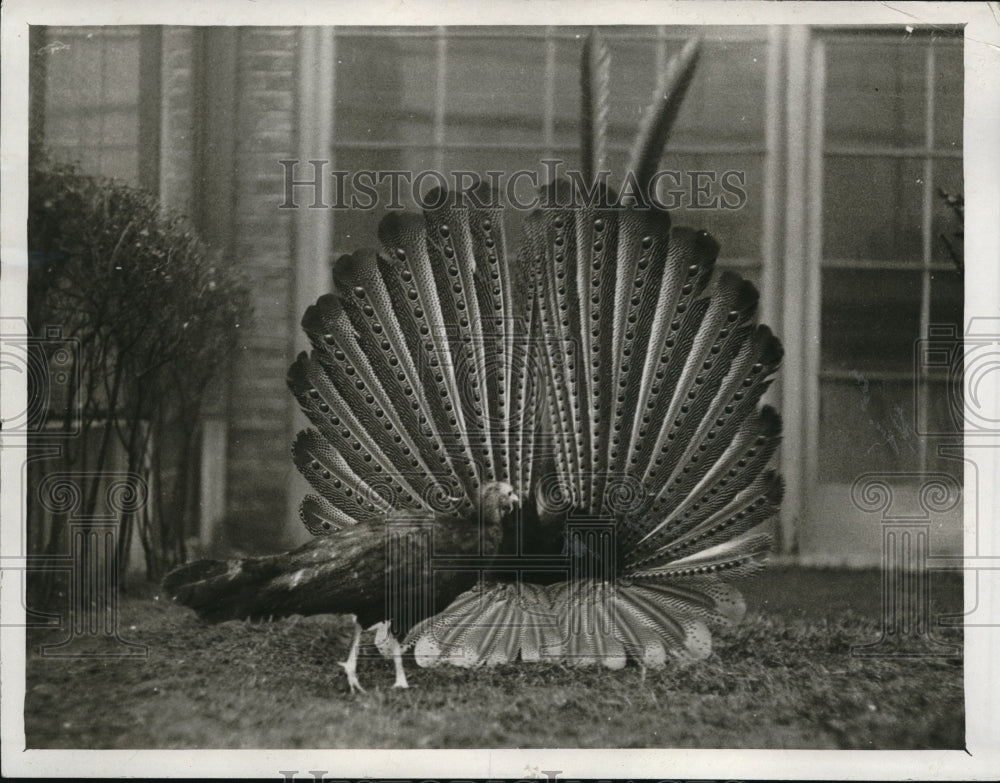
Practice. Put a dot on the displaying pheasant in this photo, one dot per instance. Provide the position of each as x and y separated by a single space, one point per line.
554 452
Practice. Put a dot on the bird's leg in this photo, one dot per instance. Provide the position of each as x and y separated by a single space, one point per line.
350 666
397 659
390 647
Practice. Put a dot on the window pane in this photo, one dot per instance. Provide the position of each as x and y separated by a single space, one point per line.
870 320
948 95
872 209
944 406
732 186
495 89
947 177
357 228
633 76
947 299
875 92
866 425
725 102
566 98
729 83
91 98
386 87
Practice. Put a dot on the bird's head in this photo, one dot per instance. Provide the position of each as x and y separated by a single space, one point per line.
497 501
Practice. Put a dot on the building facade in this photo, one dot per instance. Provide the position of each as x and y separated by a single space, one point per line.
815 156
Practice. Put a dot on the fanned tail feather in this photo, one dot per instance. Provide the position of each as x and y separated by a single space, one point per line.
653 367
595 76
580 623
606 370
659 119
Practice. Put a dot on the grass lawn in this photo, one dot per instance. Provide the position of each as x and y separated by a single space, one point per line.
785 678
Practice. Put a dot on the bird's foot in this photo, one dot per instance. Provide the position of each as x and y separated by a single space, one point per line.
350 666
390 647
350 669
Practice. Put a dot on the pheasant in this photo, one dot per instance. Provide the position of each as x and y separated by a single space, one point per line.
554 453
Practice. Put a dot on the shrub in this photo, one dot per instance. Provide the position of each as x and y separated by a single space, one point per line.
155 317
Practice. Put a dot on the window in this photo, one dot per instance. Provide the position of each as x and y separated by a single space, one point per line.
482 99
92 109
892 137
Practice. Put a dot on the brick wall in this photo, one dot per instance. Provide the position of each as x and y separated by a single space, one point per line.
177 168
261 409
259 121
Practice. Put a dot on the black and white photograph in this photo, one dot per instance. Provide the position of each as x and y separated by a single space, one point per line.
516 391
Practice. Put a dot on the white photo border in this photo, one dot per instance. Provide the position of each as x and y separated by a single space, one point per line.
980 760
